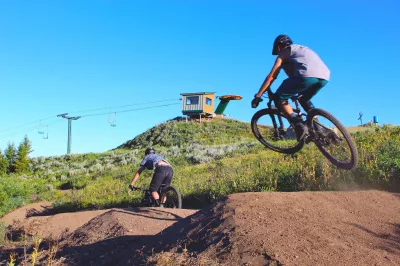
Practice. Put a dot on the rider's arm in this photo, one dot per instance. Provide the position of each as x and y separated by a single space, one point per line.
136 176
271 76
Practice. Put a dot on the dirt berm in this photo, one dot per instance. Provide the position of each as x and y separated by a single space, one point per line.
299 228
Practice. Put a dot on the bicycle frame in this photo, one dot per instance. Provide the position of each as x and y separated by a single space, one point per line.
147 197
278 130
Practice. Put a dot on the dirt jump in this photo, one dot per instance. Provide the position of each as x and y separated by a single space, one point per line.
297 228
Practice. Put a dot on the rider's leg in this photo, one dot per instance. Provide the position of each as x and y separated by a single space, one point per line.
169 172
162 175
297 121
285 107
315 85
156 182
289 88
286 90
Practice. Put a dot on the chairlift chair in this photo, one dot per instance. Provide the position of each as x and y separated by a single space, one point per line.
112 118
47 133
40 128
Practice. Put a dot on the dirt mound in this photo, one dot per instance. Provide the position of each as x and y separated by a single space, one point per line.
306 228
125 222
302 228
104 239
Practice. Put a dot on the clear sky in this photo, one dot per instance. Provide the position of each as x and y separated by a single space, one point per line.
73 56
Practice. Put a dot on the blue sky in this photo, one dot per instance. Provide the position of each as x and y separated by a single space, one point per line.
70 56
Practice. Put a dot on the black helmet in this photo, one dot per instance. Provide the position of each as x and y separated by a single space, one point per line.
149 150
281 40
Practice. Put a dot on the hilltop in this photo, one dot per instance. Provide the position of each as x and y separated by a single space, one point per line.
179 133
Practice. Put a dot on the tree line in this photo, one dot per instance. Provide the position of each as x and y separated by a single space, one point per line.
15 160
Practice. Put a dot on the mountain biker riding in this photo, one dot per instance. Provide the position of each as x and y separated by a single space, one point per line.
307 74
162 172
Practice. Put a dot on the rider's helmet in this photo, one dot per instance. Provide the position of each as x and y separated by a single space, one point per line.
149 150
283 41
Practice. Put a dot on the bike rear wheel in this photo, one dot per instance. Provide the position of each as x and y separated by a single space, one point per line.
274 131
171 198
332 139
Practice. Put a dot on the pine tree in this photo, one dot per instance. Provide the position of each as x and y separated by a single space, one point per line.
3 163
10 153
21 162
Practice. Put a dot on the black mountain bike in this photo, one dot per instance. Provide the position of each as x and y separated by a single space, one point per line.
276 132
169 197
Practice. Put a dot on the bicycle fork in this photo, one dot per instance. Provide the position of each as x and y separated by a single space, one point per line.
278 130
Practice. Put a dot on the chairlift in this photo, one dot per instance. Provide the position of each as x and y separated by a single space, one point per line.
40 130
112 118
47 133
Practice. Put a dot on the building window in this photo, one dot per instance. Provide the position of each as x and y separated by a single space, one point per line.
209 101
192 100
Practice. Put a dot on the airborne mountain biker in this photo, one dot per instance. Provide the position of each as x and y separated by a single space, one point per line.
162 172
306 72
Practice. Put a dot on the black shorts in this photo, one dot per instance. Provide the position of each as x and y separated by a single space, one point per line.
162 175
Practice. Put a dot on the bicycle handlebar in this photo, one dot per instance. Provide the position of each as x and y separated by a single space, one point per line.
134 188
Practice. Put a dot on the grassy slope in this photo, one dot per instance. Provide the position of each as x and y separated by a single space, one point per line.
181 133
210 160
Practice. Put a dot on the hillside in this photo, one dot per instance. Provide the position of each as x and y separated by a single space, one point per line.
178 133
210 160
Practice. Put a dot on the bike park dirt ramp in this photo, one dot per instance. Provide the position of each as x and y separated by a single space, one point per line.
89 237
299 228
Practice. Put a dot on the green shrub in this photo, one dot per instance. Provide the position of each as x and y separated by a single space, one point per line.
210 160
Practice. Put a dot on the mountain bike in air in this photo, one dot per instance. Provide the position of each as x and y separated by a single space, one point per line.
274 130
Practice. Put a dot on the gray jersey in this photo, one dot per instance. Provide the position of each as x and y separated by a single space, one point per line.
150 161
301 61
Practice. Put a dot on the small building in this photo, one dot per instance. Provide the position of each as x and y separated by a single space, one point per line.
199 104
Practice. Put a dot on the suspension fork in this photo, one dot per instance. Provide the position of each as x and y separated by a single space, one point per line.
277 129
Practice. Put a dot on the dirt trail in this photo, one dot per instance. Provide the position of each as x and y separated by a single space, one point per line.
306 228
34 218
301 228
22 213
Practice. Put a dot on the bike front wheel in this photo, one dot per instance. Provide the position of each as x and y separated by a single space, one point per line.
171 198
274 131
332 139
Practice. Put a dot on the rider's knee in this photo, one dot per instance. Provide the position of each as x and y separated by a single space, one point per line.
281 103
155 195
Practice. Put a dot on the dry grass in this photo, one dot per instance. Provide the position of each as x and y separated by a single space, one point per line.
184 258
360 129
